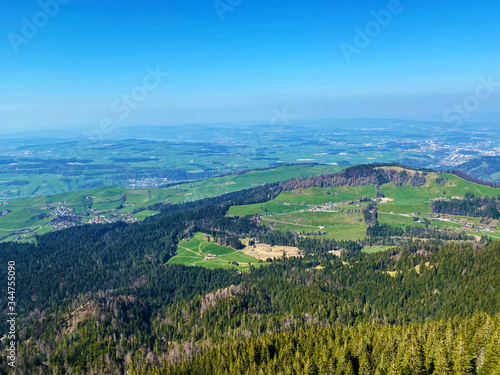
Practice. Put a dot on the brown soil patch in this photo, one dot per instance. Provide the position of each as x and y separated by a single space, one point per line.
84 312
264 251
337 253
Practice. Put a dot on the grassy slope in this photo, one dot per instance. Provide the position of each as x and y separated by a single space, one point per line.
454 186
194 251
338 225
108 199
285 213
316 196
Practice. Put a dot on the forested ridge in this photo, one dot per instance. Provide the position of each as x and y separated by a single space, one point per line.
99 299
445 347
361 175
487 207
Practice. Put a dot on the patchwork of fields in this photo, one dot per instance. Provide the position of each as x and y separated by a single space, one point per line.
336 212
34 216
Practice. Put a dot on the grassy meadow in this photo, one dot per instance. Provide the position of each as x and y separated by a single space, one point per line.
194 251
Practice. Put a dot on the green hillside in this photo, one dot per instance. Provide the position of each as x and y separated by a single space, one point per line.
195 251
32 216
340 208
365 292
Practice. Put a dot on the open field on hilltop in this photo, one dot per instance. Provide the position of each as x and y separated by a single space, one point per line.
337 225
117 203
194 251
458 186
317 196
453 186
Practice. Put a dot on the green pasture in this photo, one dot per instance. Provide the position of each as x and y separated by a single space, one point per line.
194 251
337 225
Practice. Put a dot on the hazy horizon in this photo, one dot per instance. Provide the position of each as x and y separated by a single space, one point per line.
77 63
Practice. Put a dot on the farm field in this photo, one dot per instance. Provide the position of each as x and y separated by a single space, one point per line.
338 225
317 196
453 186
397 208
398 220
375 249
271 207
305 198
147 157
194 251
402 206
288 212
113 203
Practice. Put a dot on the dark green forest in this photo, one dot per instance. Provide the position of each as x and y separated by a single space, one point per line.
487 207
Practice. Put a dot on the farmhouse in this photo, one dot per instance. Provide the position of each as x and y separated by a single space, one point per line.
226 183
210 256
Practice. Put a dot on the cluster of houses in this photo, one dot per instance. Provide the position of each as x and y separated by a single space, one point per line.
330 206
146 183
326 207
63 224
468 225
6 212
227 183
63 211
101 219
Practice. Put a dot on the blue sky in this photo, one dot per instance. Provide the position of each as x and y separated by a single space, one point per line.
263 55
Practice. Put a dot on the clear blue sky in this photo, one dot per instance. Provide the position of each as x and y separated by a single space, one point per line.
263 55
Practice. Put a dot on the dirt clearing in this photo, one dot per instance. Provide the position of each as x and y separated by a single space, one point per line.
264 251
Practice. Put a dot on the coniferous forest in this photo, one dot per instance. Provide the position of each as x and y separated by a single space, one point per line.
100 299
230 187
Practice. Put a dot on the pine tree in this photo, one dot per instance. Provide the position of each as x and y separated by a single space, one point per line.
365 366
462 364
